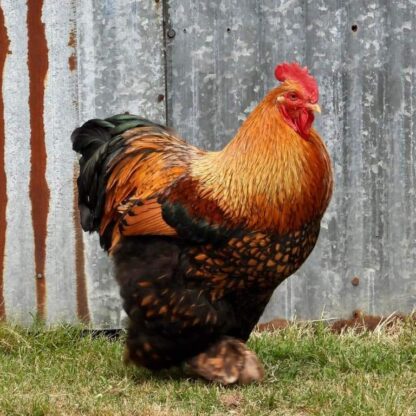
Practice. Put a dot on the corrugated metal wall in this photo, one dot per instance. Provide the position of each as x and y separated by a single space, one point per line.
203 66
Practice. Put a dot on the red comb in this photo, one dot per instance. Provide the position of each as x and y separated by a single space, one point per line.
294 72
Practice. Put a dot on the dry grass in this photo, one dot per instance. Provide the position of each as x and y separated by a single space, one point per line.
310 371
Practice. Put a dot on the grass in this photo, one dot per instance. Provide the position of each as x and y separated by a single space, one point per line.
310 371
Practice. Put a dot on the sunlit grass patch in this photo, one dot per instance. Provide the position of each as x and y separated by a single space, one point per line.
310 371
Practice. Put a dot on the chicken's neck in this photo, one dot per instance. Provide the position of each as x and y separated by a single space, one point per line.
268 176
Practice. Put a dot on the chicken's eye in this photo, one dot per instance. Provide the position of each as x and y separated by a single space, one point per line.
293 96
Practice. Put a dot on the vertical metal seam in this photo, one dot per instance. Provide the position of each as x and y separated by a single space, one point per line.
165 23
39 193
83 312
4 48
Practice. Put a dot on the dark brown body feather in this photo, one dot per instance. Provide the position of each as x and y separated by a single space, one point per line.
181 298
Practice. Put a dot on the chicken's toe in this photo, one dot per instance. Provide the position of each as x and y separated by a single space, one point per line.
252 370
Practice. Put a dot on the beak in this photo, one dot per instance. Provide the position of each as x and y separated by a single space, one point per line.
315 108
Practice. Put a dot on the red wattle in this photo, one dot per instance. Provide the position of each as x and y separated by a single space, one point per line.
301 121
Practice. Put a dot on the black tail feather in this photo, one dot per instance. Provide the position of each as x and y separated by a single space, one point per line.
98 142
88 138
91 140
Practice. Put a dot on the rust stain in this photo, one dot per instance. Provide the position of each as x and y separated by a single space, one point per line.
72 38
83 312
72 43
4 50
39 192
72 62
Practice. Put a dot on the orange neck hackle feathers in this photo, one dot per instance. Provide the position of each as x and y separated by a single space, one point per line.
268 176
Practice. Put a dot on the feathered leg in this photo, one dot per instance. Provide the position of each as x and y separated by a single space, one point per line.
226 362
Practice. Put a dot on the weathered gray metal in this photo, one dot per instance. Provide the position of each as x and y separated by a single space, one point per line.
221 63
105 57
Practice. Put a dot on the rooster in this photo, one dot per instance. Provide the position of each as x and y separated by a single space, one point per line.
200 239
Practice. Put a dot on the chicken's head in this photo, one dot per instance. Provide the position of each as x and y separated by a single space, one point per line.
297 97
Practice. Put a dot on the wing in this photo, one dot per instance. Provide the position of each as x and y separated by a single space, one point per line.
149 162
170 206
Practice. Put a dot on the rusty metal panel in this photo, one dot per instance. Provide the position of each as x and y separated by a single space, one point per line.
221 63
39 114
64 62
18 263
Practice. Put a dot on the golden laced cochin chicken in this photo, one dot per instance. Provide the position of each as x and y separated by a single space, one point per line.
201 239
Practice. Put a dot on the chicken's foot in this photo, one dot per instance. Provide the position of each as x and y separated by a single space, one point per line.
226 362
